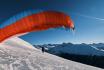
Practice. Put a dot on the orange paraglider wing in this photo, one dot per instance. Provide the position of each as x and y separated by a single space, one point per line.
36 22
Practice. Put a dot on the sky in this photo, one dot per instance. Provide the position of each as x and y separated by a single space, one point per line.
87 15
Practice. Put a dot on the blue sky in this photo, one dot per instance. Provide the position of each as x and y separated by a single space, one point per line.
87 16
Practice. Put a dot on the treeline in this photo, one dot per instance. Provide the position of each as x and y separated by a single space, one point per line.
93 60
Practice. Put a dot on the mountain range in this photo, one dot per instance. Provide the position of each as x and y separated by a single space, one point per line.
78 49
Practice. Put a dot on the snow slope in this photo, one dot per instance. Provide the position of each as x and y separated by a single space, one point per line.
16 54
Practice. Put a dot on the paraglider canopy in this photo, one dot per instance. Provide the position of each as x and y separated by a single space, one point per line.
36 22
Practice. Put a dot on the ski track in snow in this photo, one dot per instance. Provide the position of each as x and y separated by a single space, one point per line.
24 58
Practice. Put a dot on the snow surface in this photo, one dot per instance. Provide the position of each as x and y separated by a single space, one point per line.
16 54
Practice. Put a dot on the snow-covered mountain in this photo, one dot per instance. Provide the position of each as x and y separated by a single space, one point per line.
16 54
79 49
98 45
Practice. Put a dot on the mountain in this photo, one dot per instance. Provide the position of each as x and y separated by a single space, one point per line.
98 45
78 49
16 54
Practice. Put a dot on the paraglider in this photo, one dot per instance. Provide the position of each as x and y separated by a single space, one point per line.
36 22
